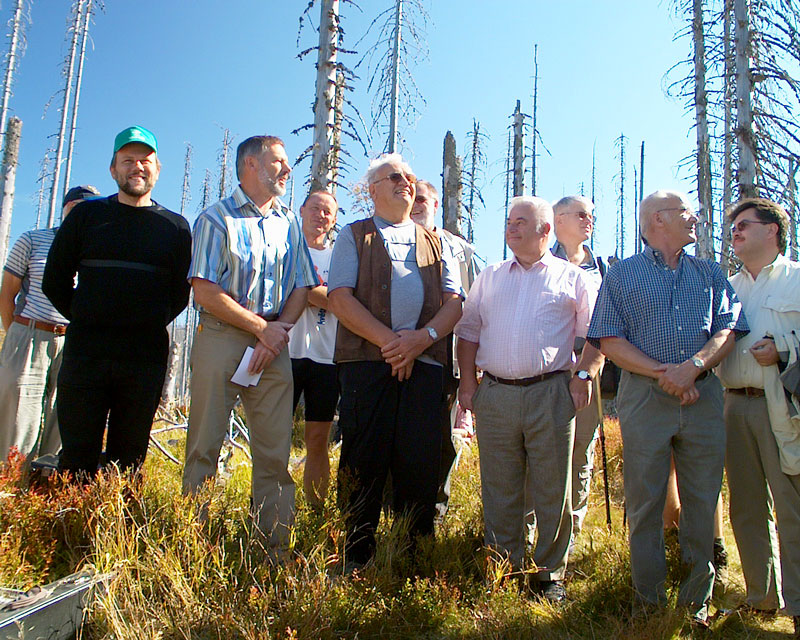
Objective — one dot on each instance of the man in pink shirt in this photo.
(519, 325)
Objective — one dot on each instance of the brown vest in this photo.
(374, 289)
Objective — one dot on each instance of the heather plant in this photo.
(177, 576)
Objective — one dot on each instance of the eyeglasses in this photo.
(397, 176)
(678, 209)
(583, 215)
(743, 224)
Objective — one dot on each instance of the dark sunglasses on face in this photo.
(743, 224)
(396, 177)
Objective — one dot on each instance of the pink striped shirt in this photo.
(525, 321)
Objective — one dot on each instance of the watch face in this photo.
(584, 375)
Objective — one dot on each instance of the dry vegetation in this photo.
(177, 578)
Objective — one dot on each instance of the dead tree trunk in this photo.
(224, 161)
(395, 103)
(42, 178)
(87, 15)
(640, 197)
(792, 191)
(322, 170)
(11, 63)
(54, 195)
(728, 99)
(744, 115)
(621, 199)
(338, 120)
(535, 130)
(7, 179)
(594, 177)
(451, 186)
(473, 170)
(519, 158)
(705, 243)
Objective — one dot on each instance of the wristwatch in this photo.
(697, 362)
(432, 333)
(583, 375)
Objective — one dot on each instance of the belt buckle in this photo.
(59, 329)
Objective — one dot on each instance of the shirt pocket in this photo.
(782, 304)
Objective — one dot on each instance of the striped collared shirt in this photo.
(258, 259)
(26, 260)
(525, 321)
(668, 314)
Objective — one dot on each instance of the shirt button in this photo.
(679, 328)
(676, 307)
(682, 352)
(383, 286)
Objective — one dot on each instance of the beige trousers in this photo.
(217, 350)
(29, 364)
(759, 491)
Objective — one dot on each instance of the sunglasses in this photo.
(397, 176)
(743, 224)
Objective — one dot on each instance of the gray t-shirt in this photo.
(407, 293)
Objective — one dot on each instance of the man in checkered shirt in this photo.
(667, 318)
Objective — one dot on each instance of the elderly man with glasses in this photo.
(666, 318)
(396, 294)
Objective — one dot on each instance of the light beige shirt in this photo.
(771, 304)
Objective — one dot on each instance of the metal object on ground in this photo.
(52, 612)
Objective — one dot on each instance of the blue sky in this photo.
(187, 70)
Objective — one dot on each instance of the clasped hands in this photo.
(271, 341)
(678, 380)
(401, 352)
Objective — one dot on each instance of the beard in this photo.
(139, 189)
(270, 183)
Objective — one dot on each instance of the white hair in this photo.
(381, 161)
(568, 200)
(650, 205)
(540, 206)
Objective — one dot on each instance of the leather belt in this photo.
(57, 329)
(750, 392)
(272, 317)
(523, 382)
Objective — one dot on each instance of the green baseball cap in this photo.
(135, 134)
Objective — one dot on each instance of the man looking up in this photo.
(250, 272)
(574, 223)
(311, 343)
(666, 318)
(763, 456)
(519, 326)
(396, 296)
(31, 354)
(426, 205)
(131, 256)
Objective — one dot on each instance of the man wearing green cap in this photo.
(131, 256)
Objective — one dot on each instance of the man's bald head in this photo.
(657, 201)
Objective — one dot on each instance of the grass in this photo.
(178, 578)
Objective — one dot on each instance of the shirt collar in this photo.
(546, 260)
(779, 260)
(657, 257)
(559, 251)
(241, 200)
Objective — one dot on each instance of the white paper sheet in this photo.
(242, 377)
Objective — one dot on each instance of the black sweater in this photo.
(132, 264)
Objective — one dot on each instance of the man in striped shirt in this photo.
(31, 354)
(519, 326)
(251, 271)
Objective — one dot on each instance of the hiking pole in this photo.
(599, 400)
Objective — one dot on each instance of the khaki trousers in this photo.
(525, 437)
(757, 485)
(587, 422)
(29, 364)
(217, 350)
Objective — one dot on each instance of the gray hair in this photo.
(254, 146)
(381, 161)
(568, 200)
(431, 189)
(542, 208)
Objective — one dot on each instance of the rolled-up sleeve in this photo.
(469, 327)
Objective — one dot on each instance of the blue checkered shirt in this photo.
(667, 314)
(257, 259)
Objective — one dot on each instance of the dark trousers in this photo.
(388, 426)
(448, 451)
(92, 393)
